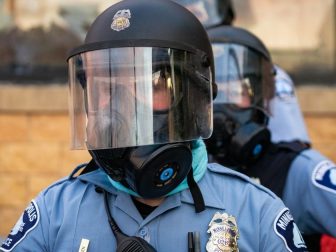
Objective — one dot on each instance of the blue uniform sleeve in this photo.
(310, 193)
(278, 230)
(29, 234)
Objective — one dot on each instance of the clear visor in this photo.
(126, 97)
(244, 77)
(205, 10)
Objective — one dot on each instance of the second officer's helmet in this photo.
(245, 79)
(143, 76)
(242, 58)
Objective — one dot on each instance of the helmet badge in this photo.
(121, 20)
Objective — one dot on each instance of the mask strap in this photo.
(91, 166)
(88, 167)
(195, 192)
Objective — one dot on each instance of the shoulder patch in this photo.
(24, 225)
(324, 176)
(287, 230)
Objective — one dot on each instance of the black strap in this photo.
(195, 192)
(91, 166)
(273, 167)
(296, 146)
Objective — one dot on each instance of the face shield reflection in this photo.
(138, 96)
(243, 76)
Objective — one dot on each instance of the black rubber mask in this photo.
(151, 171)
(240, 135)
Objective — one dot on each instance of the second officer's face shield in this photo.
(244, 77)
(126, 97)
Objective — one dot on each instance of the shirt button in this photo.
(143, 232)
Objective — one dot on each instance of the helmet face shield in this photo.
(244, 77)
(134, 96)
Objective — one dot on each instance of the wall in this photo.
(34, 146)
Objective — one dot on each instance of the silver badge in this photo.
(121, 20)
(224, 234)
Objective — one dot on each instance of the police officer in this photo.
(141, 89)
(242, 140)
(292, 150)
(287, 127)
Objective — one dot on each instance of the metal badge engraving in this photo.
(224, 234)
(121, 20)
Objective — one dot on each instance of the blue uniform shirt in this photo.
(310, 193)
(70, 213)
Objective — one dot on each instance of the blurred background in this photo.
(35, 36)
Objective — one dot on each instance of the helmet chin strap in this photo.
(195, 192)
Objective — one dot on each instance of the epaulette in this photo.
(219, 169)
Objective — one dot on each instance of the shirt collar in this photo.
(211, 197)
(98, 178)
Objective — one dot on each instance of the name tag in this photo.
(84, 245)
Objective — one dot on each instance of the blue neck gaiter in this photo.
(199, 166)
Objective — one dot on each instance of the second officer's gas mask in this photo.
(245, 79)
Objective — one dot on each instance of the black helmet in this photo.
(248, 59)
(211, 13)
(245, 79)
(147, 23)
(135, 42)
(239, 36)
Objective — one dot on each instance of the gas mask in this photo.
(151, 171)
(240, 135)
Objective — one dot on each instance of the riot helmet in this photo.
(286, 122)
(141, 89)
(211, 13)
(245, 79)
